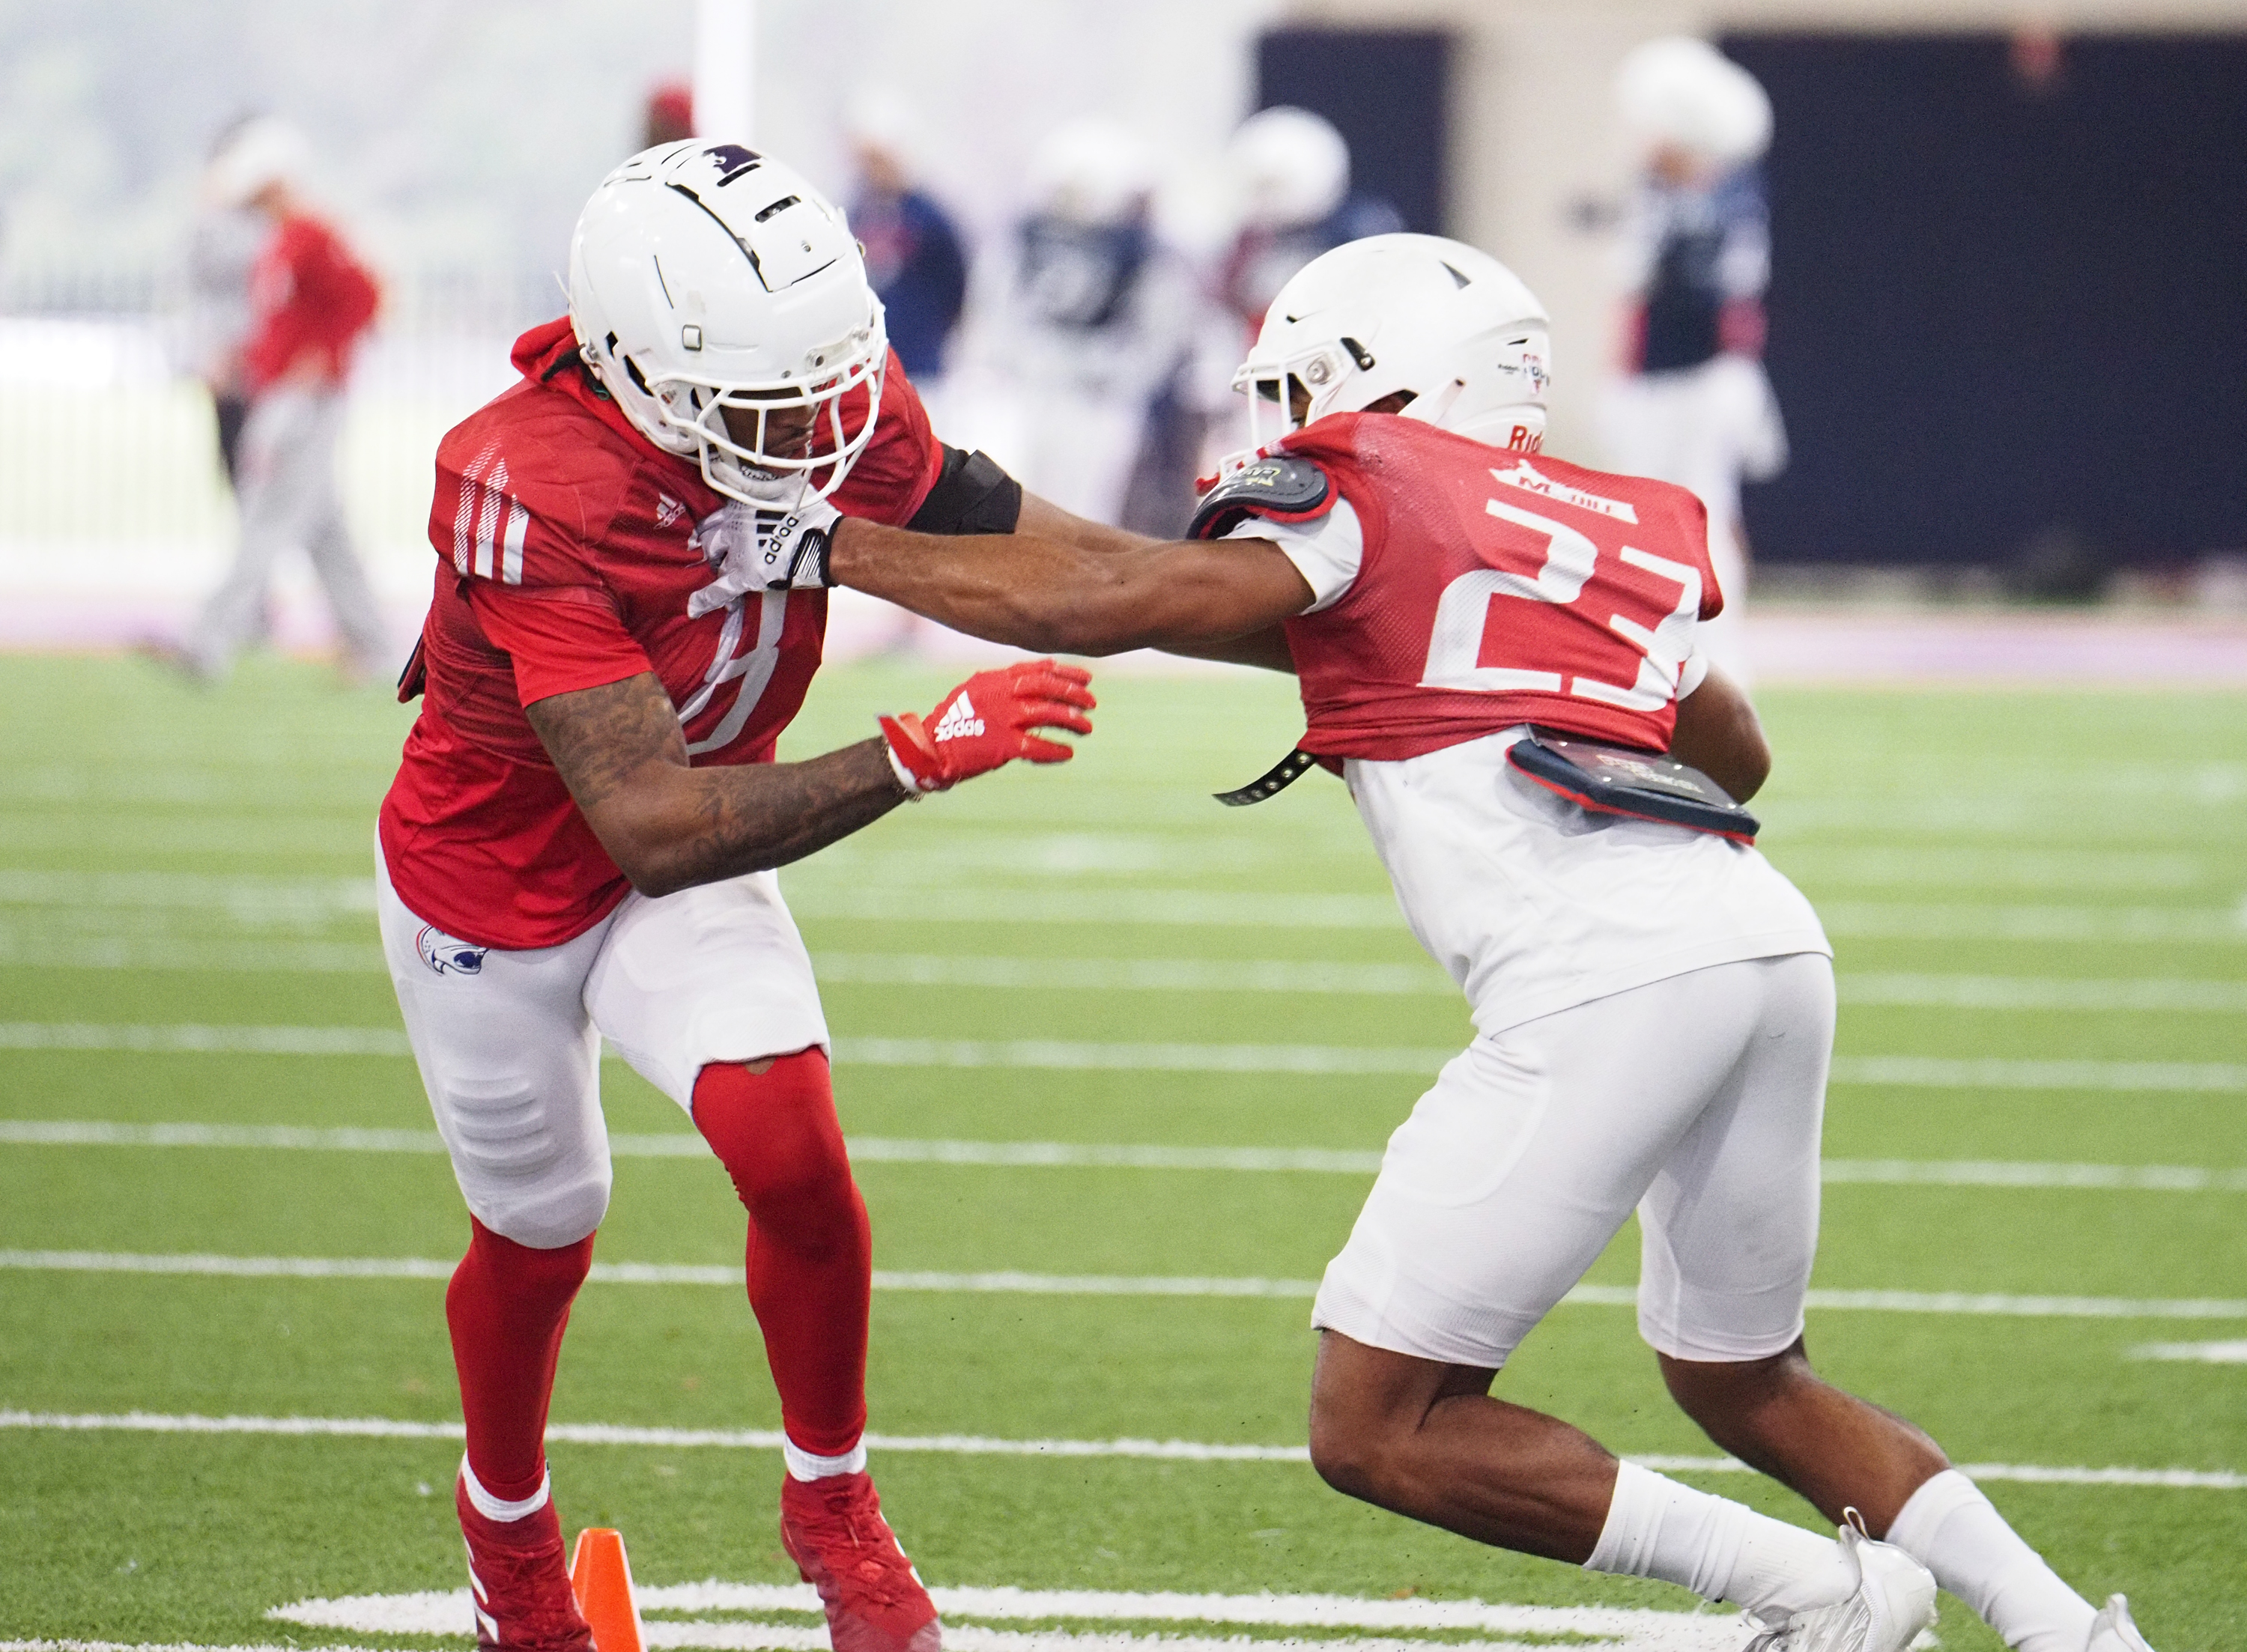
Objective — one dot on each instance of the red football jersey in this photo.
(567, 548)
(1496, 588)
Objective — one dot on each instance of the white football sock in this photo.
(1719, 1549)
(500, 1508)
(803, 1465)
(1953, 1531)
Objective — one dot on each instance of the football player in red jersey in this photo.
(580, 838)
(1653, 1002)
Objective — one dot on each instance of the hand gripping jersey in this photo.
(567, 547)
(1495, 589)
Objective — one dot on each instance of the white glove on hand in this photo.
(778, 545)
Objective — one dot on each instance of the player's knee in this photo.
(777, 1133)
(1351, 1443)
(526, 1172)
(544, 1216)
(1714, 1392)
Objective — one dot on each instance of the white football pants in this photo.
(509, 1042)
(1697, 1100)
(285, 487)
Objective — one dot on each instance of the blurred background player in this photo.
(1090, 315)
(310, 301)
(914, 256)
(222, 247)
(1290, 170)
(1693, 405)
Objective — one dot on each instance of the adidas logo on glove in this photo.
(959, 721)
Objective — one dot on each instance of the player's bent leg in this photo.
(809, 1254)
(1426, 1440)
(1780, 1417)
(1730, 1232)
(510, 1064)
(810, 1260)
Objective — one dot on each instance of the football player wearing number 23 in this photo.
(581, 837)
(1654, 1004)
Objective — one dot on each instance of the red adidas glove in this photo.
(986, 723)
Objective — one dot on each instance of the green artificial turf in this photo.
(173, 857)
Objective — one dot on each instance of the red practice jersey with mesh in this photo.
(1496, 588)
(567, 548)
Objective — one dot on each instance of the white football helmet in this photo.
(1403, 312)
(1290, 166)
(1684, 93)
(704, 275)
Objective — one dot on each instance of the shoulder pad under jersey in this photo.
(1283, 487)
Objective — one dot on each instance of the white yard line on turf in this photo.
(1057, 1054)
(2195, 1353)
(2001, 993)
(972, 1445)
(440, 1612)
(257, 900)
(1010, 1282)
(877, 1150)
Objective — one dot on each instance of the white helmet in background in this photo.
(1403, 312)
(262, 150)
(1290, 166)
(1094, 172)
(704, 275)
(1684, 93)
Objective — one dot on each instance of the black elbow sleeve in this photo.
(972, 496)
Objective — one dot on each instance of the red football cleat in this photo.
(834, 1530)
(521, 1582)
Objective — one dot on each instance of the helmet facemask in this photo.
(1321, 371)
(690, 411)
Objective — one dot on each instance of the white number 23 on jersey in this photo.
(1648, 649)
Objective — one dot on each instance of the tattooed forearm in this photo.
(668, 826)
(761, 815)
(599, 738)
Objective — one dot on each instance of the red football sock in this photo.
(507, 1306)
(810, 1253)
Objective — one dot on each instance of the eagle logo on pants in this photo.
(445, 955)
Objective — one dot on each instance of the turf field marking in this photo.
(2032, 992)
(1160, 975)
(1011, 1282)
(1054, 1054)
(250, 899)
(435, 1612)
(977, 1445)
(879, 1150)
(2200, 1353)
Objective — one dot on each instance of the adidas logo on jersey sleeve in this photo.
(1529, 478)
(959, 721)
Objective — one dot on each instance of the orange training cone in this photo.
(600, 1577)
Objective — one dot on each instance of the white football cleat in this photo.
(2112, 1631)
(1893, 1601)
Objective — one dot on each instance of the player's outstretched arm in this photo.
(1718, 733)
(1044, 520)
(669, 826)
(1023, 587)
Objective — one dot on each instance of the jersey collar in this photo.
(547, 355)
